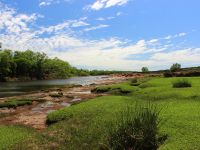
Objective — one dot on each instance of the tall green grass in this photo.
(137, 128)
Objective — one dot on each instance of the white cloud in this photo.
(110, 53)
(15, 23)
(175, 36)
(99, 4)
(79, 24)
(153, 41)
(46, 2)
(43, 3)
(183, 56)
(96, 27)
(181, 34)
(111, 3)
(105, 18)
(168, 37)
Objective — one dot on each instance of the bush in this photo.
(138, 82)
(111, 90)
(59, 94)
(181, 83)
(134, 80)
(102, 89)
(136, 130)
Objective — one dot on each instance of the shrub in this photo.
(59, 94)
(120, 91)
(102, 89)
(111, 90)
(136, 130)
(139, 81)
(181, 83)
(134, 80)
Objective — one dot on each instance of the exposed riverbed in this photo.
(20, 88)
(35, 115)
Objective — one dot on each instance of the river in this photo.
(18, 88)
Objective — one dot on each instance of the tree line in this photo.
(34, 65)
(29, 65)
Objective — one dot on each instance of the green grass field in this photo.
(85, 125)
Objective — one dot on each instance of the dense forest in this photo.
(29, 65)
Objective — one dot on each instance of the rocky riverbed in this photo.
(44, 102)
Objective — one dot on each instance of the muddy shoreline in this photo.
(35, 115)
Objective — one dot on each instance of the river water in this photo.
(17, 88)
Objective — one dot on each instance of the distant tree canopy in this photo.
(145, 69)
(34, 65)
(175, 67)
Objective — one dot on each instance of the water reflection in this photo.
(16, 88)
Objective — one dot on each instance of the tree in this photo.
(175, 67)
(145, 69)
(6, 62)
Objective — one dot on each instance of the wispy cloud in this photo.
(96, 27)
(175, 36)
(105, 18)
(99, 4)
(110, 17)
(43, 3)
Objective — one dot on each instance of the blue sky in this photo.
(105, 34)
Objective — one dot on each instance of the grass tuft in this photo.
(59, 94)
(137, 129)
(114, 89)
(181, 83)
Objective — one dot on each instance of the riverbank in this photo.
(49, 100)
(86, 125)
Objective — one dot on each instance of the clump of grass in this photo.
(145, 85)
(111, 90)
(134, 80)
(137, 129)
(56, 95)
(102, 89)
(137, 82)
(58, 115)
(15, 103)
(182, 83)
